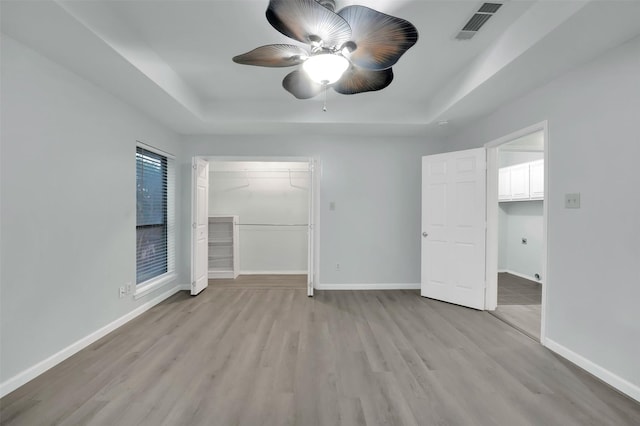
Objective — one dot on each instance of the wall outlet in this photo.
(121, 292)
(337, 266)
(128, 288)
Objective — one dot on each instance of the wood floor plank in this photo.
(525, 318)
(272, 356)
(514, 290)
(261, 281)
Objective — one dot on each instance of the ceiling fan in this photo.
(351, 50)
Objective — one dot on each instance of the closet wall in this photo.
(267, 197)
(518, 220)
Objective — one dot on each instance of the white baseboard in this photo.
(376, 286)
(32, 372)
(603, 374)
(518, 274)
(273, 272)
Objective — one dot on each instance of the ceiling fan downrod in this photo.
(329, 4)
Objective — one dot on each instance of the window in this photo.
(154, 216)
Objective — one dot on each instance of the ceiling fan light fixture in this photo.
(352, 50)
(325, 68)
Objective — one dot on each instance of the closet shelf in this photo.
(223, 247)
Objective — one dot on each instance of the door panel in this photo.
(437, 212)
(200, 231)
(453, 225)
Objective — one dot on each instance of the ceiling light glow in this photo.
(325, 68)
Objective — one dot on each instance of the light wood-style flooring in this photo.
(514, 290)
(261, 281)
(270, 356)
(519, 304)
(525, 318)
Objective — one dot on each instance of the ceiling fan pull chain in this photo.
(324, 107)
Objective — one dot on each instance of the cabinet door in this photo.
(504, 184)
(520, 182)
(536, 180)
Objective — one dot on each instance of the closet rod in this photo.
(261, 171)
(272, 224)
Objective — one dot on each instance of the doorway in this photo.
(262, 222)
(516, 229)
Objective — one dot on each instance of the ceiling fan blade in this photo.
(380, 39)
(299, 85)
(358, 80)
(273, 55)
(307, 21)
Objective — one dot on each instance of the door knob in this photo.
(424, 234)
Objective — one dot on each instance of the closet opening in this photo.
(516, 268)
(261, 223)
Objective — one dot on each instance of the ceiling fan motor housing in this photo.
(329, 4)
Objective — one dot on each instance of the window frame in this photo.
(145, 287)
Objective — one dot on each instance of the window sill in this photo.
(154, 284)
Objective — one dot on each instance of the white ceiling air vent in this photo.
(478, 19)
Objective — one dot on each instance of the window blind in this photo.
(154, 215)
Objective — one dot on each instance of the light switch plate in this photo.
(572, 201)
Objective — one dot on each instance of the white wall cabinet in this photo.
(521, 182)
(536, 180)
(504, 184)
(224, 261)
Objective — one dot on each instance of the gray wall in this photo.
(593, 278)
(510, 158)
(68, 206)
(374, 231)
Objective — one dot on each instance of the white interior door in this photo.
(454, 227)
(200, 226)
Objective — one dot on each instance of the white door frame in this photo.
(491, 297)
(195, 225)
(315, 174)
